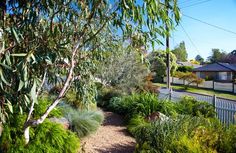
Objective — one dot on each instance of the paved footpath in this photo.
(111, 137)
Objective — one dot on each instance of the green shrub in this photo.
(73, 99)
(228, 140)
(184, 134)
(119, 105)
(136, 124)
(54, 138)
(142, 104)
(47, 137)
(190, 106)
(195, 129)
(185, 69)
(186, 145)
(11, 139)
(43, 103)
(157, 137)
(105, 94)
(168, 108)
(83, 122)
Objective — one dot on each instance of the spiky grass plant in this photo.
(83, 122)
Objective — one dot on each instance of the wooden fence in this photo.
(219, 86)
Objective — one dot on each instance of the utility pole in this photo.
(167, 48)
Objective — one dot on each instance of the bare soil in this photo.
(111, 137)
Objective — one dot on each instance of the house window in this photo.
(222, 75)
(198, 74)
(230, 76)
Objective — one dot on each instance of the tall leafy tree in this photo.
(199, 58)
(157, 61)
(181, 52)
(217, 56)
(57, 38)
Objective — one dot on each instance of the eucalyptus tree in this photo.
(50, 38)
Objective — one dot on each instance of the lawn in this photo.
(221, 94)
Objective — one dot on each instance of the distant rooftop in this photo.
(188, 64)
(216, 67)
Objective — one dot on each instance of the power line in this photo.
(190, 39)
(209, 24)
(194, 4)
(188, 2)
(185, 1)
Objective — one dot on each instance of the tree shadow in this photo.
(125, 132)
(113, 119)
(118, 148)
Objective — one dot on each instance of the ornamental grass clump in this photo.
(83, 122)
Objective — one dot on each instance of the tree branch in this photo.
(37, 93)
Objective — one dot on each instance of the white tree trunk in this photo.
(26, 135)
(69, 78)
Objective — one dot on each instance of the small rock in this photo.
(156, 116)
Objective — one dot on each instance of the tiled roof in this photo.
(230, 66)
(216, 67)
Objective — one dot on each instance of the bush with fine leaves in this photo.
(47, 137)
(228, 143)
(42, 105)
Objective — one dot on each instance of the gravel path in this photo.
(111, 137)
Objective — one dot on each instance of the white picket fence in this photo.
(225, 109)
(220, 86)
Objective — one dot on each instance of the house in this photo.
(222, 72)
(188, 64)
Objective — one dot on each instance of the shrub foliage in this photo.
(191, 126)
(47, 137)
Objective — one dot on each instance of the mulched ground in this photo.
(111, 137)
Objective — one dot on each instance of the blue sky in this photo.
(217, 12)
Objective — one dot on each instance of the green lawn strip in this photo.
(220, 94)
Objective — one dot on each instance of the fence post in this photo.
(233, 86)
(170, 94)
(214, 103)
(213, 85)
